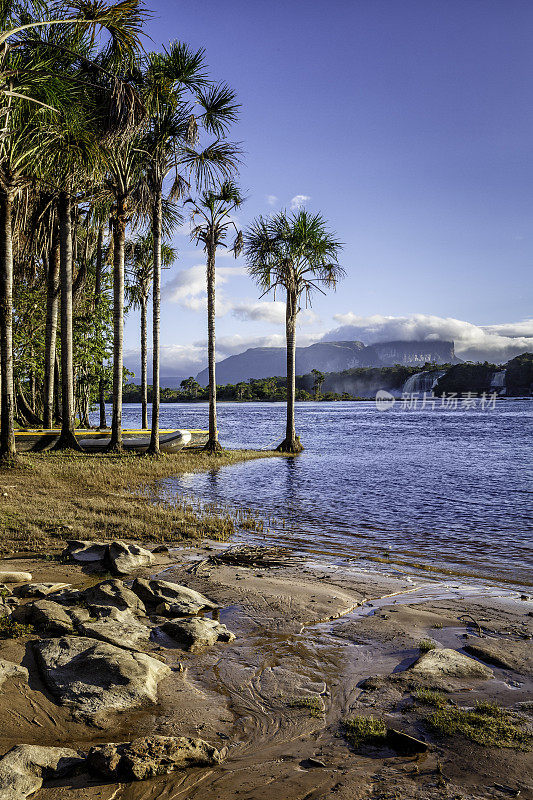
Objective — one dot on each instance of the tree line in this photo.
(105, 148)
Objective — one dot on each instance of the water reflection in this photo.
(430, 488)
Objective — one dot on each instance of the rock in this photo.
(24, 767)
(15, 577)
(39, 589)
(10, 670)
(182, 600)
(117, 627)
(405, 743)
(512, 655)
(49, 616)
(193, 634)
(85, 552)
(113, 593)
(95, 676)
(161, 548)
(126, 558)
(447, 663)
(150, 756)
(312, 763)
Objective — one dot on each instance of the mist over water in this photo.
(445, 490)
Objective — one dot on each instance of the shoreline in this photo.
(274, 699)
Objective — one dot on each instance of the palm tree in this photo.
(140, 265)
(181, 99)
(212, 219)
(297, 253)
(30, 84)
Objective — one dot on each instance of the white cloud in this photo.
(273, 311)
(271, 199)
(298, 201)
(190, 283)
(472, 342)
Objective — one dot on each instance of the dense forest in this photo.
(457, 378)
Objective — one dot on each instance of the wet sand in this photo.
(302, 631)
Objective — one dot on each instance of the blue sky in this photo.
(409, 125)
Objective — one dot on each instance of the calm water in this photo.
(448, 490)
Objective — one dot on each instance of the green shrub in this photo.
(310, 703)
(364, 730)
(487, 724)
(425, 645)
(13, 630)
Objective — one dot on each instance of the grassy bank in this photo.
(51, 497)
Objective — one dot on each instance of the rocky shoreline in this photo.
(219, 672)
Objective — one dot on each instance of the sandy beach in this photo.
(274, 699)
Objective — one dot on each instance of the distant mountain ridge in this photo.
(267, 362)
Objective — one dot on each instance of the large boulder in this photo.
(94, 676)
(194, 634)
(448, 663)
(24, 767)
(85, 552)
(45, 615)
(117, 627)
(10, 670)
(150, 756)
(126, 558)
(181, 600)
(113, 593)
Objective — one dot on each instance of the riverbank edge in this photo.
(49, 497)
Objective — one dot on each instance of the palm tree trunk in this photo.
(156, 322)
(291, 444)
(67, 439)
(50, 336)
(144, 366)
(98, 297)
(7, 430)
(119, 236)
(213, 445)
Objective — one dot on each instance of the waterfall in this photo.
(422, 382)
(497, 383)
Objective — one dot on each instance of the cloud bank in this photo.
(472, 342)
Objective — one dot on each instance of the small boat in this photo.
(170, 441)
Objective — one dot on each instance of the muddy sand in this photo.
(273, 701)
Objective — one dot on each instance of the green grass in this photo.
(487, 724)
(13, 630)
(430, 697)
(107, 496)
(425, 645)
(310, 703)
(364, 730)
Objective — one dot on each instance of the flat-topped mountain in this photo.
(266, 362)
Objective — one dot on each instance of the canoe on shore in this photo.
(170, 441)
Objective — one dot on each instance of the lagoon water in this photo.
(426, 491)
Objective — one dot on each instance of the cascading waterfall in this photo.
(497, 383)
(422, 382)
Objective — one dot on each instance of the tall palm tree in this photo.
(298, 254)
(30, 84)
(212, 220)
(140, 266)
(181, 100)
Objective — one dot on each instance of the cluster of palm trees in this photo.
(102, 147)
(99, 140)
